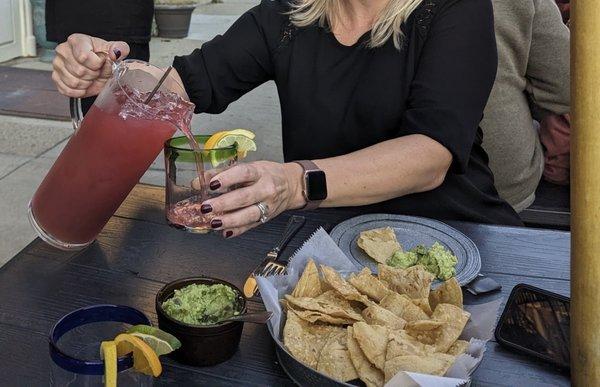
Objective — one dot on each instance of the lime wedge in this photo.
(242, 132)
(244, 144)
(243, 138)
(160, 341)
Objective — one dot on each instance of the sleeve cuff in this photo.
(191, 69)
(445, 128)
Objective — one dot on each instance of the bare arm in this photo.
(384, 171)
(389, 169)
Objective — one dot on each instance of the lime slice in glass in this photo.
(160, 341)
(244, 144)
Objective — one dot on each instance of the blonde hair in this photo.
(327, 12)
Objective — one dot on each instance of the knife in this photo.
(294, 224)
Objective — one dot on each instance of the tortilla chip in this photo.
(349, 292)
(334, 360)
(323, 306)
(423, 303)
(415, 281)
(334, 297)
(379, 244)
(377, 315)
(402, 344)
(458, 348)
(449, 292)
(403, 307)
(425, 331)
(433, 364)
(455, 320)
(366, 371)
(309, 284)
(305, 340)
(369, 285)
(312, 316)
(372, 339)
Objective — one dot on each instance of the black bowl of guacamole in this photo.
(191, 309)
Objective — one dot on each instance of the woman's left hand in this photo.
(276, 185)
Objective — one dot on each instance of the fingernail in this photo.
(215, 184)
(205, 208)
(228, 234)
(117, 53)
(216, 223)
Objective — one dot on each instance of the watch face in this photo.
(316, 185)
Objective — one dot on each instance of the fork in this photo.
(271, 265)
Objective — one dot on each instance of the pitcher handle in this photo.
(76, 112)
(75, 103)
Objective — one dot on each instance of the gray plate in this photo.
(410, 231)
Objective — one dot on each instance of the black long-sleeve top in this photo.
(337, 99)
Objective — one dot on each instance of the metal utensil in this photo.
(158, 85)
(482, 284)
(271, 266)
(254, 318)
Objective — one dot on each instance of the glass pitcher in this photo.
(111, 148)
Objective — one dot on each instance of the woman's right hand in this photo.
(80, 68)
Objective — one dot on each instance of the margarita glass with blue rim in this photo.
(75, 346)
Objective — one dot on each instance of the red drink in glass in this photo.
(115, 144)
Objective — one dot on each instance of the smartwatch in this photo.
(314, 184)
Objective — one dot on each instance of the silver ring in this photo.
(264, 209)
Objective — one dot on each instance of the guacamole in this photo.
(437, 260)
(201, 304)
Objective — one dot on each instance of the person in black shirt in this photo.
(129, 21)
(385, 97)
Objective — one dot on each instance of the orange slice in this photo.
(145, 360)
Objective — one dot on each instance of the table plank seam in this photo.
(525, 275)
(199, 370)
(246, 236)
(141, 220)
(107, 270)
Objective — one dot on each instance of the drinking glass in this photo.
(110, 150)
(75, 346)
(185, 191)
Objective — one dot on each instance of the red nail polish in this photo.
(206, 208)
(228, 234)
(216, 223)
(117, 53)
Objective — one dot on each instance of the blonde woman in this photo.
(381, 102)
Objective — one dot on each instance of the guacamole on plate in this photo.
(201, 304)
(437, 260)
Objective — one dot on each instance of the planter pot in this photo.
(46, 52)
(173, 21)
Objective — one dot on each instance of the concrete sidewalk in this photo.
(28, 147)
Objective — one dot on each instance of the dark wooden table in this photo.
(138, 252)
